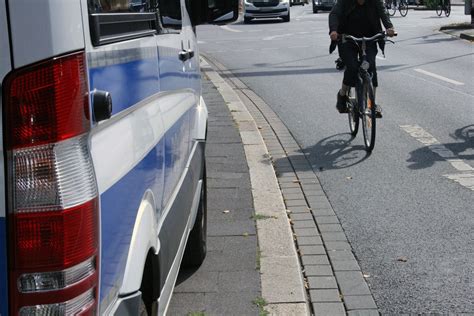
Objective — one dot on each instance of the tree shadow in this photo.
(462, 148)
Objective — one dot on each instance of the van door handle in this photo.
(186, 54)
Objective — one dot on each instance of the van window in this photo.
(121, 6)
(118, 20)
(170, 13)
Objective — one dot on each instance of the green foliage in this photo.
(431, 4)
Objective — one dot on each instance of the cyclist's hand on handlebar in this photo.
(334, 36)
(391, 32)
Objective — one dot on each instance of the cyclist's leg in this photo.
(349, 54)
(371, 58)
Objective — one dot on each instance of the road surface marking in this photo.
(380, 57)
(438, 77)
(466, 178)
(201, 42)
(436, 84)
(227, 28)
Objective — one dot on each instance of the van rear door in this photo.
(5, 67)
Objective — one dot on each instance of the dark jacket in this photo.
(342, 9)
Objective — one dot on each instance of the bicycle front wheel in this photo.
(403, 8)
(353, 115)
(368, 116)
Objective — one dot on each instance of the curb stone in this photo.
(334, 267)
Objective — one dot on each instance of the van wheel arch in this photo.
(151, 284)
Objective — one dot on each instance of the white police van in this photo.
(102, 176)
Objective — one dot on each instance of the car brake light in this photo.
(52, 191)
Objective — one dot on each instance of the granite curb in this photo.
(334, 281)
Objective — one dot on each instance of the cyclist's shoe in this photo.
(339, 64)
(341, 104)
(378, 111)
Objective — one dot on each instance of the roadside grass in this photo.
(261, 217)
(261, 303)
(259, 258)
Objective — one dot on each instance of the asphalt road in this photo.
(407, 208)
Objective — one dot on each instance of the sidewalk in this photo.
(228, 281)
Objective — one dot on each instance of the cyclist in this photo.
(359, 18)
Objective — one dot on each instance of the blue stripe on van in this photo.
(127, 83)
(3, 268)
(119, 204)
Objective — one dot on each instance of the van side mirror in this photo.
(213, 11)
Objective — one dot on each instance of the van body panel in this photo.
(55, 28)
(5, 67)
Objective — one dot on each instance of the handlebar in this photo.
(381, 35)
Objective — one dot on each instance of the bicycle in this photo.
(363, 105)
(443, 5)
(392, 6)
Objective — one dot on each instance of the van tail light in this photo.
(53, 216)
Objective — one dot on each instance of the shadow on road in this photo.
(463, 149)
(307, 71)
(333, 152)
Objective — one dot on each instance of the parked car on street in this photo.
(322, 5)
(264, 9)
(102, 176)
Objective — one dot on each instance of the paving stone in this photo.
(322, 282)
(304, 224)
(301, 216)
(352, 283)
(237, 281)
(330, 227)
(293, 196)
(334, 236)
(323, 203)
(291, 203)
(301, 232)
(364, 312)
(359, 302)
(326, 220)
(230, 303)
(299, 209)
(338, 245)
(302, 241)
(312, 250)
(291, 190)
(330, 295)
(289, 185)
(351, 265)
(318, 270)
(287, 179)
(322, 212)
(326, 309)
(341, 255)
(314, 259)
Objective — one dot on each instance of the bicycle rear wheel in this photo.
(390, 7)
(403, 8)
(439, 10)
(368, 116)
(353, 115)
(447, 9)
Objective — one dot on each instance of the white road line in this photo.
(380, 57)
(464, 179)
(438, 77)
(435, 83)
(201, 42)
(227, 28)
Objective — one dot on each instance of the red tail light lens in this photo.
(53, 201)
(47, 103)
